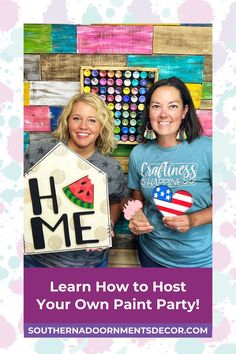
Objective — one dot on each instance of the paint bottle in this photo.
(125, 106)
(132, 130)
(117, 130)
(127, 74)
(133, 107)
(103, 90)
(127, 82)
(133, 122)
(103, 81)
(125, 114)
(142, 90)
(133, 114)
(94, 81)
(151, 75)
(134, 90)
(143, 82)
(143, 75)
(110, 73)
(135, 74)
(87, 81)
(124, 137)
(117, 137)
(118, 106)
(134, 98)
(125, 122)
(86, 89)
(103, 73)
(110, 82)
(126, 90)
(131, 138)
(119, 82)
(118, 98)
(139, 138)
(118, 74)
(103, 97)
(141, 107)
(118, 90)
(110, 106)
(94, 89)
(111, 90)
(135, 82)
(126, 98)
(110, 98)
(94, 73)
(87, 72)
(142, 99)
(124, 130)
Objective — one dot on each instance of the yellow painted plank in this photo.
(26, 93)
(195, 91)
(182, 40)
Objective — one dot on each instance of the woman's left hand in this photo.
(181, 223)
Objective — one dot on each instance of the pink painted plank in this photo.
(37, 119)
(132, 39)
(205, 117)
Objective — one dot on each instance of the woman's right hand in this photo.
(139, 227)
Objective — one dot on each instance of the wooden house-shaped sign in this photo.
(65, 204)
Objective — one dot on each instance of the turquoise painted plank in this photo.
(188, 68)
(64, 38)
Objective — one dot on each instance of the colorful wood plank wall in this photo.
(55, 53)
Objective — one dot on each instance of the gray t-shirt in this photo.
(117, 190)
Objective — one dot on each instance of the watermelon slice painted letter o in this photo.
(81, 192)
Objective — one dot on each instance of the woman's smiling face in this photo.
(84, 127)
(166, 113)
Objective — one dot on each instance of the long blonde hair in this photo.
(105, 142)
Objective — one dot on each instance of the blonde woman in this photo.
(85, 126)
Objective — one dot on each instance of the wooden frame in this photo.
(129, 112)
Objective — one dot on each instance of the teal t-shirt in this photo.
(182, 167)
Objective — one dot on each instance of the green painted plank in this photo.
(37, 38)
(206, 91)
(188, 68)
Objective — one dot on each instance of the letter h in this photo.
(35, 197)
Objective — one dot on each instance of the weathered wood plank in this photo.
(67, 66)
(32, 67)
(187, 68)
(36, 118)
(208, 68)
(205, 117)
(127, 241)
(37, 38)
(195, 91)
(133, 39)
(206, 104)
(52, 93)
(64, 38)
(206, 91)
(123, 257)
(26, 93)
(182, 40)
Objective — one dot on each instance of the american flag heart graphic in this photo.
(170, 204)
